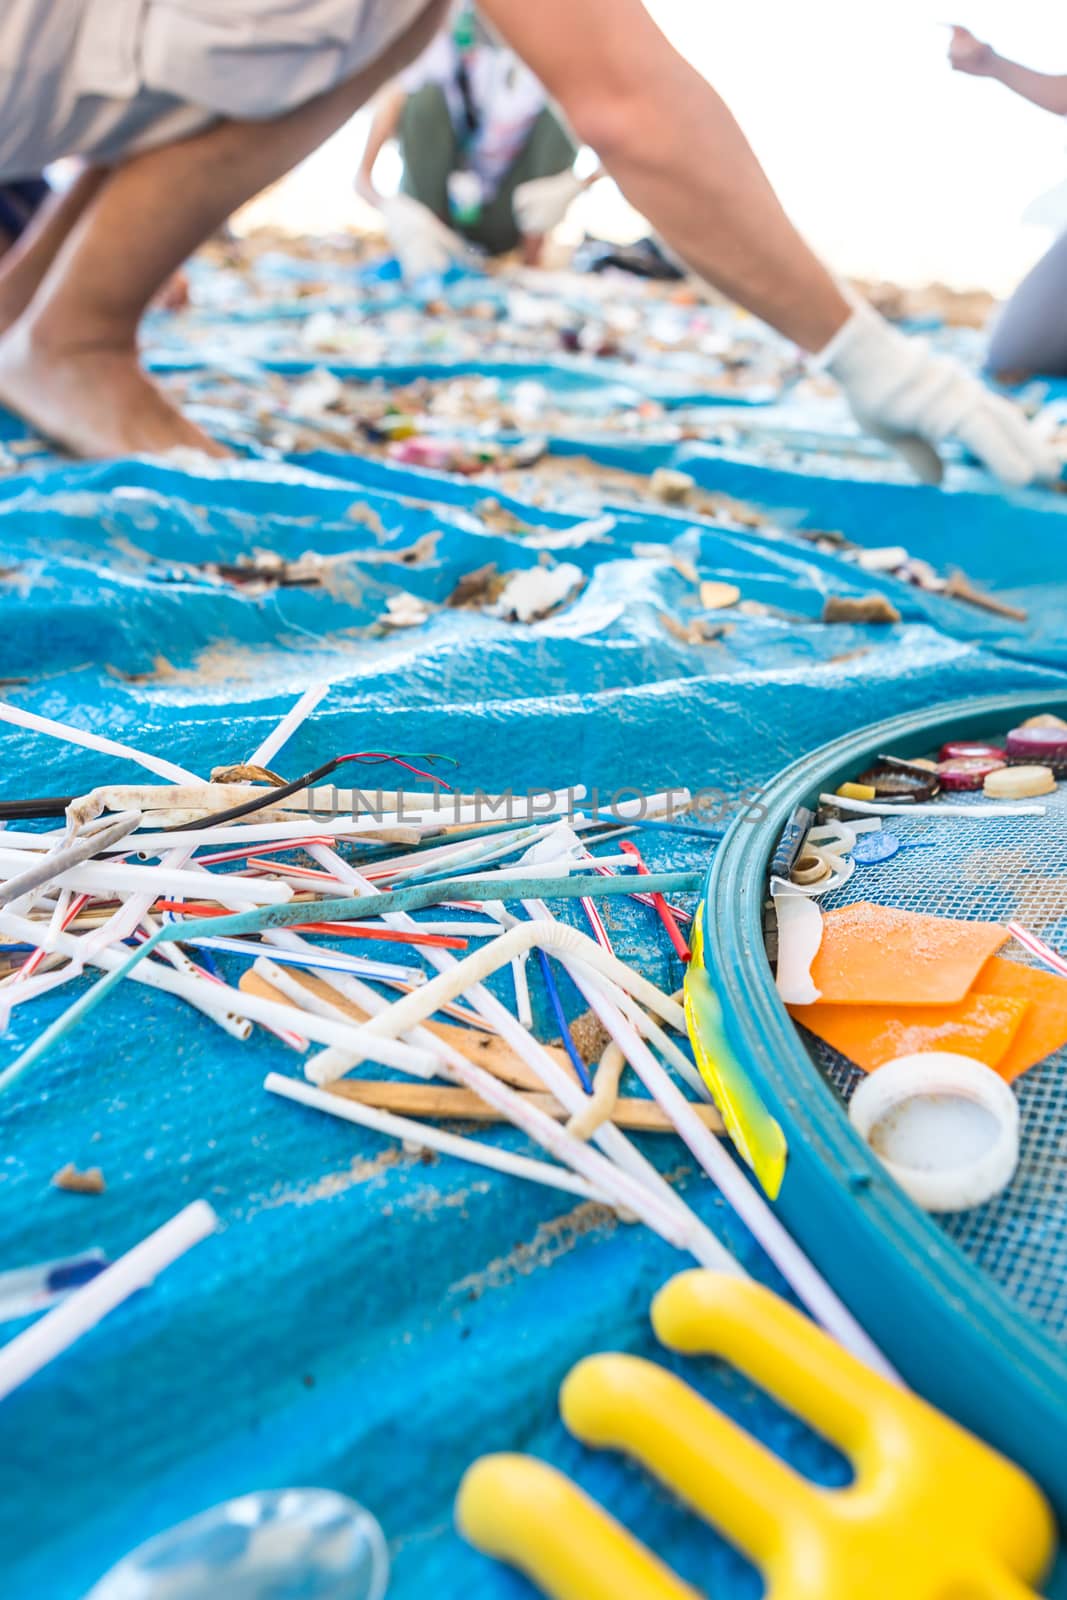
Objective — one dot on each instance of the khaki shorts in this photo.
(106, 78)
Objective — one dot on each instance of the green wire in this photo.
(415, 898)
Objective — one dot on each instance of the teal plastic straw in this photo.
(415, 898)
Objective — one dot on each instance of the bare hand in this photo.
(968, 54)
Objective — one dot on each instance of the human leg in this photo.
(69, 362)
(549, 149)
(37, 244)
(428, 147)
(1030, 335)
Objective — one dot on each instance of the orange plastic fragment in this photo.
(879, 955)
(982, 1026)
(1043, 1030)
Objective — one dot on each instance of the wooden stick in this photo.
(461, 1105)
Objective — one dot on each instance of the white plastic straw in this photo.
(120, 877)
(93, 741)
(48, 866)
(31, 1350)
(749, 1205)
(559, 1083)
(429, 1137)
(673, 1221)
(279, 737)
(320, 960)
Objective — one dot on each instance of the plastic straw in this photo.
(53, 862)
(428, 1137)
(93, 741)
(28, 1352)
(611, 1140)
(279, 737)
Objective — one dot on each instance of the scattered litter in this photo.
(535, 593)
(405, 611)
(959, 587)
(482, 587)
(91, 1181)
(716, 596)
(871, 608)
(673, 488)
(1019, 783)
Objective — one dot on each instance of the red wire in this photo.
(382, 755)
(663, 910)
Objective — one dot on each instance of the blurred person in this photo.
(1030, 334)
(486, 160)
(184, 109)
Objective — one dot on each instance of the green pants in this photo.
(431, 151)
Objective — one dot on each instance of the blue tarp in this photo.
(366, 1321)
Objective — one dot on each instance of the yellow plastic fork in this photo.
(931, 1514)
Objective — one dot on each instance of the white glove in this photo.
(912, 399)
(422, 243)
(540, 204)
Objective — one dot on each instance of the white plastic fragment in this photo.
(534, 592)
(799, 937)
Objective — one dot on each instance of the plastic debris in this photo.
(535, 593)
(871, 608)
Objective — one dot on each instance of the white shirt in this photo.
(106, 78)
(507, 97)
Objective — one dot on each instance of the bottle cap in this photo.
(944, 1126)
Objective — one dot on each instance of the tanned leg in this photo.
(69, 364)
(29, 257)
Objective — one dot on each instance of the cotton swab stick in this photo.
(321, 960)
(936, 808)
(31, 1350)
(428, 1137)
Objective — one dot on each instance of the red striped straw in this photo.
(1037, 947)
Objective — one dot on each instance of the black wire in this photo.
(261, 801)
(25, 810)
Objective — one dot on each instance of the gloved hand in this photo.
(540, 204)
(913, 399)
(422, 243)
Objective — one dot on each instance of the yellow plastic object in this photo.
(756, 1134)
(526, 1513)
(856, 791)
(932, 1513)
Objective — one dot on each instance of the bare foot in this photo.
(94, 402)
